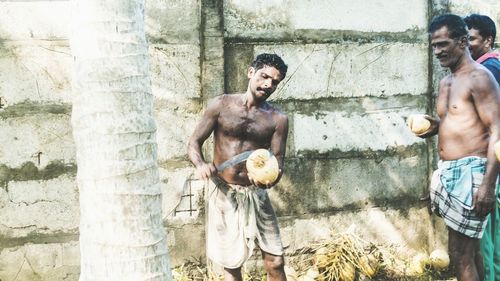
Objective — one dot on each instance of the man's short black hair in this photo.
(484, 24)
(273, 60)
(455, 24)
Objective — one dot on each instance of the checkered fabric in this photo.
(452, 188)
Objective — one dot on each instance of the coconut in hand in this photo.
(418, 124)
(262, 166)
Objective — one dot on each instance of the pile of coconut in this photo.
(347, 257)
(342, 257)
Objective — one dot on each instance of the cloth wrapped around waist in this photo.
(458, 178)
(239, 218)
(452, 191)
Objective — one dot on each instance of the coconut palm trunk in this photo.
(121, 230)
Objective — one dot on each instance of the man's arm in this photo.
(278, 147)
(278, 143)
(493, 68)
(435, 121)
(486, 97)
(202, 131)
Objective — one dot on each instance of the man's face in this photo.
(478, 45)
(447, 50)
(263, 82)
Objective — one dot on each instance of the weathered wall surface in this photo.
(38, 194)
(39, 213)
(357, 70)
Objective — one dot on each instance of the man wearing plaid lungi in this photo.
(482, 33)
(468, 106)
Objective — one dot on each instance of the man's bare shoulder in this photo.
(445, 80)
(482, 73)
(226, 99)
(482, 80)
(277, 112)
(220, 101)
(216, 100)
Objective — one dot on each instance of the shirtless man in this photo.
(482, 32)
(468, 106)
(240, 214)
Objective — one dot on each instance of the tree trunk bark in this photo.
(121, 228)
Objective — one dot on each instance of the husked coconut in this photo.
(497, 150)
(418, 124)
(439, 259)
(262, 166)
(369, 265)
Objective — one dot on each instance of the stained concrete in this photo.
(357, 70)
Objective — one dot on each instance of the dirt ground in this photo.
(342, 257)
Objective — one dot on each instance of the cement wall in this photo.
(357, 70)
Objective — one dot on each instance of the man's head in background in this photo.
(482, 33)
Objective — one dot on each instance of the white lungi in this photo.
(239, 217)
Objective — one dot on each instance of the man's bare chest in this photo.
(454, 98)
(246, 124)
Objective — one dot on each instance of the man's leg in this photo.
(480, 264)
(232, 274)
(275, 267)
(466, 256)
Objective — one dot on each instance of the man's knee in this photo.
(274, 262)
(457, 252)
(233, 271)
(463, 248)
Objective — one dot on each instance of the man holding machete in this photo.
(239, 212)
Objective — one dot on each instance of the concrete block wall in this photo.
(357, 70)
(38, 194)
(39, 213)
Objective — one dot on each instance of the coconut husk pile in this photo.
(347, 257)
(341, 257)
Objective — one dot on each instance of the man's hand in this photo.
(484, 200)
(433, 129)
(205, 171)
(264, 185)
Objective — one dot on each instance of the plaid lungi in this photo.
(453, 185)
